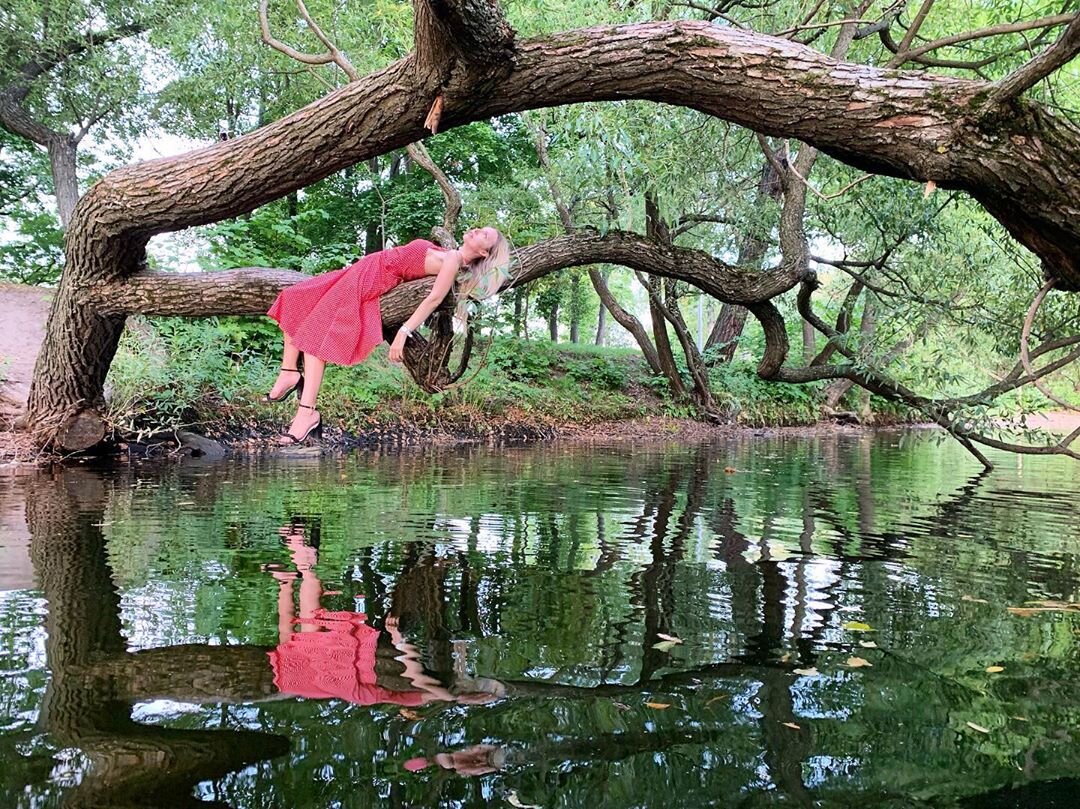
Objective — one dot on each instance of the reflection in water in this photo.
(547, 626)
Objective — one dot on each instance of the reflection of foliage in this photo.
(549, 569)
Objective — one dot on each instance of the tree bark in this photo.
(601, 326)
(553, 323)
(909, 125)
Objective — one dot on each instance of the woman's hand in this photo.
(397, 348)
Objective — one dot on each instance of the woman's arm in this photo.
(443, 282)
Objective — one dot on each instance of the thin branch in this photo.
(1025, 336)
(339, 58)
(1026, 77)
(982, 33)
(916, 24)
(278, 45)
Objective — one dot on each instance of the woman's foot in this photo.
(307, 420)
(287, 381)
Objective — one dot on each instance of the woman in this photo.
(335, 317)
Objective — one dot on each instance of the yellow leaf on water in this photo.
(412, 716)
(1023, 612)
(858, 662)
(994, 669)
(664, 645)
(658, 706)
(671, 638)
(515, 801)
(868, 644)
(791, 725)
(979, 728)
(810, 672)
(974, 600)
(857, 626)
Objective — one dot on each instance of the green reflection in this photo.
(509, 615)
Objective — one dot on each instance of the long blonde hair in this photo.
(482, 278)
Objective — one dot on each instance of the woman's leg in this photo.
(290, 355)
(313, 377)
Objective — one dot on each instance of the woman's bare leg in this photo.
(313, 377)
(290, 355)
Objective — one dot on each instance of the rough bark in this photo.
(909, 125)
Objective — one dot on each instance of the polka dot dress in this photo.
(335, 316)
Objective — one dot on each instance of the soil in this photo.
(25, 310)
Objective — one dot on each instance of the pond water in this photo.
(816, 621)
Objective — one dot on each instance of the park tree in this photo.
(71, 67)
(1015, 155)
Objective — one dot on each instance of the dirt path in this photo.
(25, 311)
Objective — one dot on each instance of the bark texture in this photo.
(1019, 160)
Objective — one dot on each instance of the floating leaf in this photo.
(658, 706)
(810, 672)
(857, 626)
(515, 801)
(665, 645)
(1021, 611)
(671, 638)
(622, 706)
(412, 716)
(979, 728)
(791, 725)
(730, 470)
(974, 600)
(994, 669)
(868, 644)
(858, 662)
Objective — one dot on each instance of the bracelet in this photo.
(405, 330)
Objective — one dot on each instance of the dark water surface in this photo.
(475, 627)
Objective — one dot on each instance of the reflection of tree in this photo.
(86, 704)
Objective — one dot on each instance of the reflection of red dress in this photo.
(335, 662)
(335, 316)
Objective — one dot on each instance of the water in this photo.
(551, 626)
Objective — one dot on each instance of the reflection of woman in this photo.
(336, 655)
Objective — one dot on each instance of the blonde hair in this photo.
(483, 278)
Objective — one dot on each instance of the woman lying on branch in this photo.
(335, 317)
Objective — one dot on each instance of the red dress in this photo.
(335, 316)
(335, 662)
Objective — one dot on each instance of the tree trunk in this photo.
(665, 355)
(601, 325)
(575, 308)
(626, 320)
(62, 149)
(724, 337)
(553, 323)
(809, 343)
(519, 310)
(1012, 160)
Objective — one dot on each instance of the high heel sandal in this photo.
(298, 387)
(315, 428)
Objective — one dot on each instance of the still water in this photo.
(829, 621)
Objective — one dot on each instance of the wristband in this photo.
(405, 330)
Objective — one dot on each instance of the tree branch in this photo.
(1026, 77)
